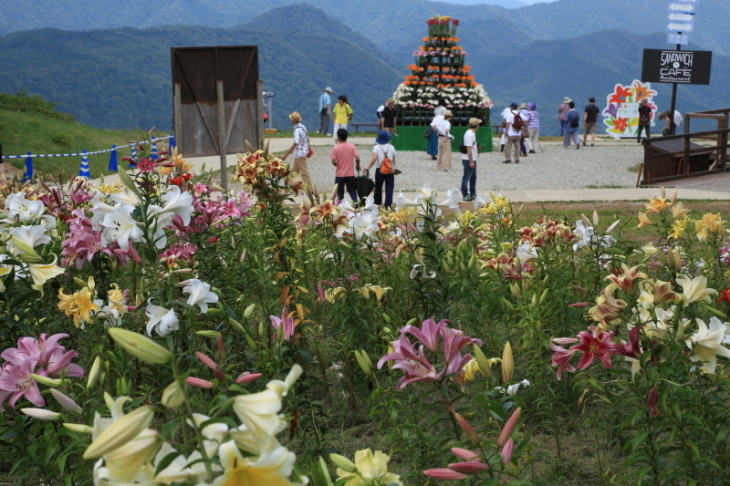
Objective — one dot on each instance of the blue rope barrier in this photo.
(29, 155)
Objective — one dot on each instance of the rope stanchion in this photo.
(113, 160)
(173, 143)
(133, 157)
(85, 171)
(28, 167)
(154, 149)
(134, 144)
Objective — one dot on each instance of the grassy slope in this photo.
(26, 131)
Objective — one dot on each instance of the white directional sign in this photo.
(681, 18)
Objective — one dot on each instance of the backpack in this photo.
(386, 167)
(518, 122)
(574, 122)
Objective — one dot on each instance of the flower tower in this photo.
(440, 74)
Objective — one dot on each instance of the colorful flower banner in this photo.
(621, 115)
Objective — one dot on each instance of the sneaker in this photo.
(517, 161)
(577, 147)
(467, 198)
(507, 162)
(329, 134)
(532, 151)
(584, 144)
(592, 145)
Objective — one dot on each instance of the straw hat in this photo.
(389, 100)
(567, 100)
(328, 89)
(295, 117)
(474, 122)
(448, 113)
(523, 106)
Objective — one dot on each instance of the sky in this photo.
(518, 3)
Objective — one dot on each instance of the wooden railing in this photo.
(662, 165)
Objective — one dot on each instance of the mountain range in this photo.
(117, 76)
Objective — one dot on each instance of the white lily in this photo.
(526, 252)
(176, 202)
(695, 289)
(16, 204)
(125, 196)
(41, 273)
(31, 236)
(706, 344)
(452, 200)
(164, 320)
(119, 226)
(271, 467)
(200, 294)
(365, 224)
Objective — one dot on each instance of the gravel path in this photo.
(556, 168)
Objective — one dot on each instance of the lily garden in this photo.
(160, 331)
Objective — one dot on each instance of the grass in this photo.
(21, 132)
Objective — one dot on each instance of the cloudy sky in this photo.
(517, 3)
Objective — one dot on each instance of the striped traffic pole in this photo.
(28, 168)
(85, 171)
(154, 149)
(133, 156)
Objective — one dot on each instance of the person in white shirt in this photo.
(469, 161)
(514, 135)
(678, 119)
(383, 149)
(300, 147)
(443, 161)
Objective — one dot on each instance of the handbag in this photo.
(427, 133)
(310, 153)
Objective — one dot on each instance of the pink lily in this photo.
(16, 382)
(285, 323)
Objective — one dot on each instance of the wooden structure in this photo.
(217, 100)
(677, 157)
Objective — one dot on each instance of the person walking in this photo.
(389, 120)
(300, 147)
(432, 132)
(325, 110)
(644, 119)
(524, 137)
(513, 127)
(343, 114)
(381, 150)
(590, 119)
(562, 110)
(469, 161)
(572, 123)
(345, 158)
(665, 115)
(533, 127)
(443, 129)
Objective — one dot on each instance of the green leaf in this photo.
(129, 183)
(166, 461)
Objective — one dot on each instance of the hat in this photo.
(328, 89)
(567, 100)
(389, 100)
(474, 122)
(342, 97)
(532, 106)
(513, 106)
(523, 106)
(448, 113)
(295, 117)
(383, 137)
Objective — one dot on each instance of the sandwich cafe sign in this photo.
(681, 67)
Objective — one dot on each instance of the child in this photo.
(345, 157)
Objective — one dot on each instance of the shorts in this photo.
(590, 128)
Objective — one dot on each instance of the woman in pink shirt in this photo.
(345, 158)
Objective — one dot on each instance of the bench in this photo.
(358, 125)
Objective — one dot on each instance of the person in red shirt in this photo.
(345, 158)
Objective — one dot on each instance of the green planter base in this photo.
(412, 139)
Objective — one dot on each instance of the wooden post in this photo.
(259, 119)
(222, 135)
(177, 108)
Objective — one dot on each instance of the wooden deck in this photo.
(715, 182)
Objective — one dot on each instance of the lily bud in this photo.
(544, 296)
(248, 377)
(444, 474)
(66, 402)
(468, 430)
(174, 395)
(585, 219)
(533, 301)
(206, 360)
(45, 380)
(675, 258)
(208, 334)
(80, 428)
(469, 467)
(509, 427)
(366, 364)
(508, 363)
(386, 318)
(140, 346)
(412, 321)
(482, 361)
(324, 473)
(343, 463)
(236, 325)
(507, 451)
(41, 414)
(120, 432)
(515, 289)
(94, 373)
(508, 304)
(198, 382)
(29, 257)
(249, 310)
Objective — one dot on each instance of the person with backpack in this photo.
(513, 126)
(644, 119)
(469, 153)
(572, 123)
(384, 161)
(300, 147)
